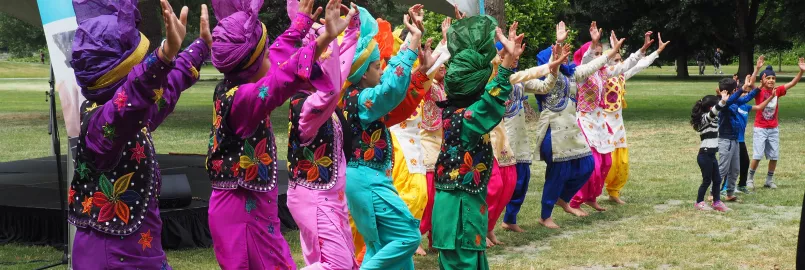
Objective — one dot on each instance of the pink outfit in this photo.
(426, 225)
(499, 191)
(593, 188)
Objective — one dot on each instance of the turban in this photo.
(239, 41)
(544, 57)
(366, 50)
(107, 45)
(769, 71)
(471, 46)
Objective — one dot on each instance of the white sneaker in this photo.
(750, 184)
(770, 185)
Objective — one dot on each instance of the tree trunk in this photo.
(497, 9)
(151, 23)
(682, 64)
(746, 58)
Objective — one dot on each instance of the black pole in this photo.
(54, 137)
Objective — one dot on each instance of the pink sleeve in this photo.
(348, 46)
(319, 106)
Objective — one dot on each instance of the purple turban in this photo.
(239, 41)
(106, 46)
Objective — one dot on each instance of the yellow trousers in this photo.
(619, 173)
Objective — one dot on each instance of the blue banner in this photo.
(54, 10)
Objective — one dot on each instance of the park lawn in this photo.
(658, 228)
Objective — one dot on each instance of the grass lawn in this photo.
(658, 228)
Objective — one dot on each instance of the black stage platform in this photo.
(29, 202)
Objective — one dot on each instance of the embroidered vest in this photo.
(233, 161)
(614, 97)
(114, 201)
(431, 113)
(515, 103)
(590, 92)
(558, 96)
(370, 147)
(457, 167)
(313, 165)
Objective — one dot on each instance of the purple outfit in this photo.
(316, 198)
(113, 196)
(241, 160)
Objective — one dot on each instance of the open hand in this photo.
(459, 15)
(333, 23)
(512, 45)
(801, 64)
(561, 32)
(595, 32)
(646, 41)
(175, 30)
(761, 61)
(427, 57)
(446, 23)
(662, 44)
(306, 7)
(724, 95)
(748, 83)
(204, 26)
(560, 55)
(616, 47)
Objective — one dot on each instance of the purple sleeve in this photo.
(181, 77)
(286, 44)
(254, 101)
(122, 117)
(319, 106)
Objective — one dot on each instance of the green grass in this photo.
(658, 228)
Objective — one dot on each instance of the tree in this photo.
(20, 38)
(497, 9)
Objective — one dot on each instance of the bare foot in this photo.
(491, 236)
(548, 223)
(616, 200)
(489, 243)
(573, 211)
(512, 227)
(421, 252)
(596, 206)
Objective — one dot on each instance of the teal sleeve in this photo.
(378, 101)
(485, 114)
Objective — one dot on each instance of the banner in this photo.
(58, 20)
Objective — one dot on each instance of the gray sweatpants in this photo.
(729, 163)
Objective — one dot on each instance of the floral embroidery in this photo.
(255, 161)
(145, 239)
(412, 141)
(159, 99)
(413, 161)
(446, 123)
(114, 199)
(137, 153)
(494, 92)
(87, 204)
(368, 104)
(218, 105)
(251, 204)
(91, 107)
(108, 131)
(483, 209)
(472, 170)
(271, 228)
(453, 151)
(120, 101)
(440, 170)
(235, 169)
(263, 92)
(467, 114)
(216, 165)
(341, 195)
(486, 138)
(403, 125)
(454, 174)
(70, 195)
(373, 146)
(315, 164)
(398, 71)
(477, 239)
(231, 92)
(351, 94)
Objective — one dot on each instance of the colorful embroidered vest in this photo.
(590, 92)
(370, 147)
(114, 201)
(515, 103)
(457, 167)
(233, 161)
(558, 96)
(315, 165)
(614, 98)
(431, 113)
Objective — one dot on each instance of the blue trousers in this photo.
(520, 190)
(562, 179)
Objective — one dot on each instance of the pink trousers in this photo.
(593, 188)
(499, 191)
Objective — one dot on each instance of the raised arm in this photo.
(378, 101)
(798, 76)
(763, 104)
(641, 65)
(320, 105)
(184, 74)
(483, 115)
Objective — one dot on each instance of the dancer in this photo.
(473, 108)
(389, 230)
(568, 158)
(591, 116)
(614, 103)
(317, 164)
(241, 158)
(766, 137)
(113, 197)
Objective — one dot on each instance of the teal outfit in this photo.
(390, 231)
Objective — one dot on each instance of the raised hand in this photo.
(749, 83)
(306, 7)
(801, 64)
(511, 44)
(333, 23)
(662, 44)
(615, 47)
(416, 34)
(175, 30)
(560, 55)
(646, 41)
(561, 32)
(417, 14)
(426, 59)
(595, 32)
(724, 95)
(761, 61)
(204, 26)
(459, 15)
(446, 23)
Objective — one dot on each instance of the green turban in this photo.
(472, 48)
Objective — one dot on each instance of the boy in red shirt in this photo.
(766, 137)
